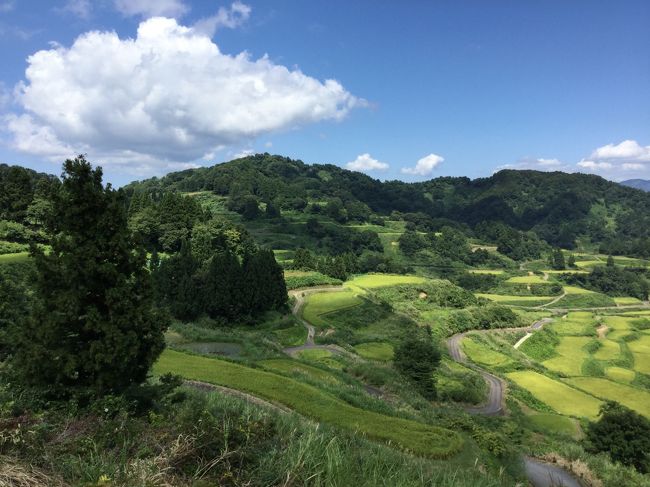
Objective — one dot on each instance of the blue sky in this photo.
(421, 88)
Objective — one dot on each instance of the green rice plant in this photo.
(314, 354)
(541, 346)
(558, 395)
(609, 350)
(640, 350)
(15, 257)
(552, 423)
(512, 300)
(289, 366)
(529, 279)
(593, 368)
(421, 439)
(380, 351)
(626, 301)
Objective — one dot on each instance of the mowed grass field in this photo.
(559, 396)
(482, 354)
(380, 351)
(370, 281)
(318, 305)
(571, 356)
(419, 438)
(632, 397)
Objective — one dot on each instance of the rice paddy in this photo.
(559, 396)
(527, 301)
(629, 396)
(609, 350)
(371, 281)
(620, 374)
(626, 301)
(421, 439)
(482, 354)
(641, 351)
(380, 351)
(496, 272)
(530, 279)
(318, 305)
(571, 356)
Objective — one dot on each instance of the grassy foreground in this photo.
(419, 438)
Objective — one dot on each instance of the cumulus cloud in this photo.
(167, 96)
(425, 166)
(231, 18)
(614, 161)
(152, 8)
(365, 163)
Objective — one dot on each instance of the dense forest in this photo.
(558, 207)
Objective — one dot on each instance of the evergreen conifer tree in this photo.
(93, 329)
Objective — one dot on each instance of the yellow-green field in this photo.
(382, 280)
(318, 305)
(481, 354)
(17, 257)
(422, 439)
(576, 290)
(526, 280)
(620, 374)
(626, 301)
(609, 350)
(641, 351)
(634, 398)
(575, 323)
(291, 366)
(516, 300)
(566, 271)
(571, 356)
(380, 351)
(562, 398)
(554, 423)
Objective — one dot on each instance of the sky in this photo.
(399, 90)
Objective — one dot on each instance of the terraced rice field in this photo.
(481, 354)
(422, 439)
(291, 366)
(609, 350)
(626, 301)
(574, 324)
(528, 301)
(526, 280)
(17, 257)
(318, 305)
(620, 374)
(629, 396)
(559, 396)
(641, 351)
(496, 272)
(380, 351)
(370, 281)
(553, 423)
(571, 356)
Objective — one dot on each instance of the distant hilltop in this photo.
(643, 184)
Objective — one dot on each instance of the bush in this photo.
(416, 359)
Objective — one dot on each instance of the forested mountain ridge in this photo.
(642, 184)
(559, 207)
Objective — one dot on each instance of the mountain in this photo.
(559, 207)
(642, 184)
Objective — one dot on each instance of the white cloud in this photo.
(365, 163)
(167, 96)
(80, 8)
(152, 8)
(627, 150)
(231, 18)
(594, 165)
(425, 166)
(632, 166)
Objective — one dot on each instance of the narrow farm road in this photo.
(540, 474)
(300, 295)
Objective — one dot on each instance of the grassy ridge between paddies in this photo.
(633, 398)
(559, 396)
(419, 438)
(318, 305)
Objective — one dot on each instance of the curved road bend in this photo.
(540, 474)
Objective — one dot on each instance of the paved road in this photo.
(540, 474)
